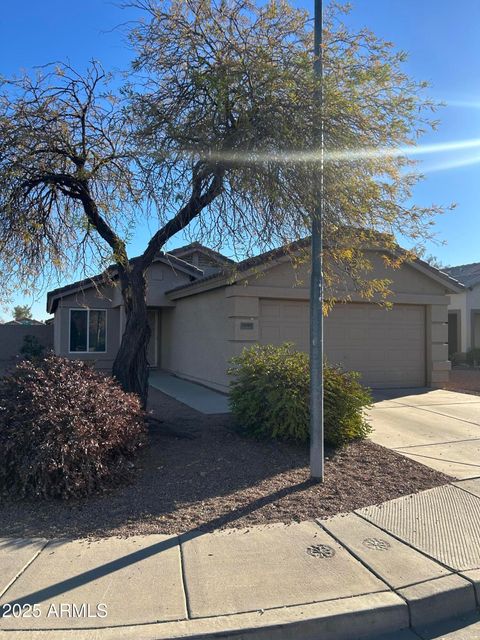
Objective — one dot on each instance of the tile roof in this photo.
(110, 273)
(467, 274)
(273, 254)
(200, 247)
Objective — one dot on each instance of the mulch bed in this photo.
(221, 479)
(464, 381)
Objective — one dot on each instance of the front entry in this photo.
(153, 349)
(453, 330)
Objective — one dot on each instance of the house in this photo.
(204, 308)
(23, 322)
(464, 310)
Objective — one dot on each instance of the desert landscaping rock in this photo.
(224, 480)
(138, 579)
(343, 578)
(393, 561)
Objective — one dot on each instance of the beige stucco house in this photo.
(204, 309)
(464, 310)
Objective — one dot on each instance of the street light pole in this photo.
(316, 281)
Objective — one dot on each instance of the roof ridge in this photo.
(462, 266)
(200, 247)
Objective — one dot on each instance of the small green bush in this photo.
(473, 356)
(32, 347)
(66, 431)
(270, 396)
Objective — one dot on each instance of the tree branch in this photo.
(191, 210)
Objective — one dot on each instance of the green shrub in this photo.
(32, 347)
(65, 430)
(270, 396)
(473, 356)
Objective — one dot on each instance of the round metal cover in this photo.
(377, 544)
(321, 551)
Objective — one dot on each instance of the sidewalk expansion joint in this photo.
(23, 569)
(444, 415)
(364, 564)
(465, 490)
(420, 455)
(435, 444)
(406, 543)
(184, 579)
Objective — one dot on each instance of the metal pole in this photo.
(316, 282)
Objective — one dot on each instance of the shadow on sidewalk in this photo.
(82, 579)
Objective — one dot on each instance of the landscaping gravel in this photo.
(221, 479)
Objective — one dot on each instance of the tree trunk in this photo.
(130, 367)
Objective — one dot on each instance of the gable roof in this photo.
(110, 274)
(23, 322)
(467, 274)
(197, 246)
(269, 258)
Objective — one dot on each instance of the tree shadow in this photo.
(63, 586)
(173, 475)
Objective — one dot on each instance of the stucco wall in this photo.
(458, 302)
(201, 332)
(194, 338)
(467, 303)
(160, 278)
(89, 299)
(12, 337)
(206, 344)
(405, 279)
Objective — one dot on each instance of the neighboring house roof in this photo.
(23, 321)
(196, 246)
(467, 274)
(111, 273)
(270, 257)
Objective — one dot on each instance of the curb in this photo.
(414, 589)
(370, 615)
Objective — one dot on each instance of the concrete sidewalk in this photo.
(439, 428)
(193, 395)
(407, 563)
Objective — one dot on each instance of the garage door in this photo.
(386, 346)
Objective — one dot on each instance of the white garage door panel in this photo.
(386, 346)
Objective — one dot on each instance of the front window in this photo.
(88, 330)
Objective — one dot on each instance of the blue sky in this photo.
(441, 37)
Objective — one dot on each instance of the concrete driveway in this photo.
(439, 428)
